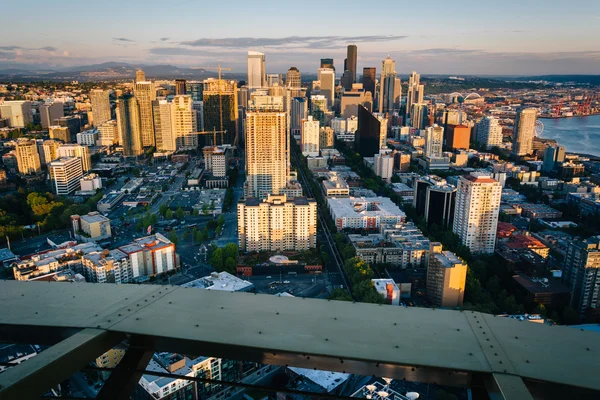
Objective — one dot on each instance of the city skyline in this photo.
(519, 39)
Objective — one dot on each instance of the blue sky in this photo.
(435, 36)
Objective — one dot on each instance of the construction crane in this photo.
(219, 69)
(214, 135)
(557, 108)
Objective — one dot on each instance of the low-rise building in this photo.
(222, 281)
(92, 226)
(108, 201)
(364, 213)
(388, 289)
(335, 186)
(90, 183)
(518, 242)
(107, 266)
(541, 211)
(151, 255)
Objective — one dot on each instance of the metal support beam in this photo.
(125, 377)
(507, 387)
(36, 376)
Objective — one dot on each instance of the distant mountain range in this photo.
(100, 72)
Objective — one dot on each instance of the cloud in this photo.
(122, 39)
(313, 42)
(164, 39)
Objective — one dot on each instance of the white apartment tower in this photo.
(257, 74)
(476, 213)
(76, 150)
(163, 129)
(184, 122)
(28, 158)
(277, 224)
(309, 138)
(18, 111)
(434, 141)
(100, 100)
(524, 131)
(384, 164)
(65, 174)
(489, 132)
(267, 147)
(145, 94)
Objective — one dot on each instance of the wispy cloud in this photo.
(179, 51)
(164, 39)
(314, 42)
(122, 39)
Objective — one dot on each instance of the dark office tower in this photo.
(368, 79)
(180, 87)
(421, 185)
(327, 63)
(194, 89)
(129, 125)
(221, 110)
(351, 62)
(439, 206)
(346, 80)
(367, 141)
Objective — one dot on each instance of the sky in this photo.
(512, 37)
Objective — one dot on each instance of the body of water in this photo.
(577, 134)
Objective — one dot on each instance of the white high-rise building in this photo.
(327, 79)
(434, 141)
(257, 74)
(108, 133)
(489, 132)
(387, 86)
(299, 112)
(76, 150)
(100, 100)
(19, 112)
(28, 158)
(184, 122)
(476, 213)
(267, 147)
(145, 94)
(50, 112)
(65, 174)
(524, 131)
(384, 164)
(277, 224)
(88, 138)
(309, 138)
(163, 129)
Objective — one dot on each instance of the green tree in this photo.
(340, 294)
(231, 265)
(216, 259)
(179, 213)
(221, 220)
(230, 251)
(199, 236)
(163, 209)
(173, 237)
(205, 209)
(169, 214)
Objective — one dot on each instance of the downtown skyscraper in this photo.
(257, 74)
(145, 94)
(129, 125)
(415, 92)
(389, 87)
(349, 76)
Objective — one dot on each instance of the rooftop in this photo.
(326, 379)
(94, 217)
(222, 281)
(540, 285)
(448, 259)
(366, 207)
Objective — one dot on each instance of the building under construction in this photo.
(220, 112)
